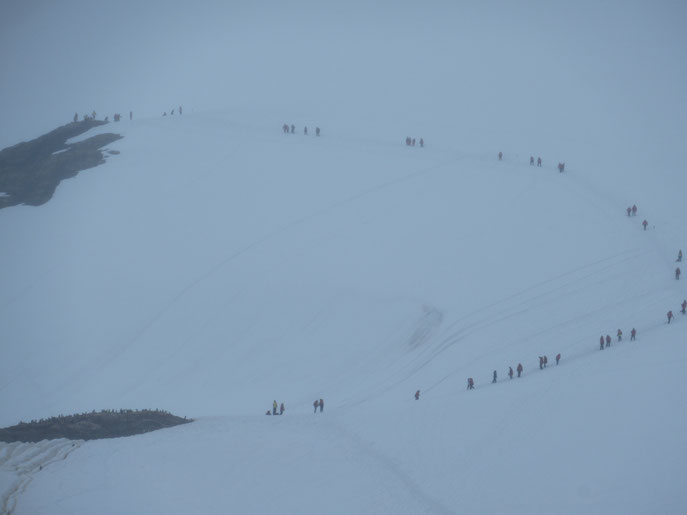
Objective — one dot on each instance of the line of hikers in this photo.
(543, 361)
(274, 409)
(291, 129)
(319, 403)
(561, 166)
(607, 340)
(632, 211)
(116, 117)
(181, 111)
(410, 142)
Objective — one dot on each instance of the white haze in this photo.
(216, 264)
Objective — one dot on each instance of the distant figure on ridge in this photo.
(274, 408)
(293, 129)
(684, 307)
(471, 384)
(76, 117)
(539, 161)
(305, 130)
(281, 409)
(417, 395)
(633, 334)
(321, 405)
(531, 160)
(558, 358)
(422, 143)
(500, 156)
(494, 380)
(679, 256)
(634, 209)
(620, 335)
(644, 224)
(510, 372)
(317, 131)
(519, 369)
(670, 316)
(608, 340)
(316, 404)
(601, 342)
(561, 167)
(629, 211)
(677, 273)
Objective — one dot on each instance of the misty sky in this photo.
(492, 79)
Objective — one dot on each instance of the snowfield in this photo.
(216, 264)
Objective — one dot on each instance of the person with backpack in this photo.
(274, 408)
(633, 334)
(670, 316)
(644, 224)
(316, 404)
(677, 273)
(321, 405)
(608, 340)
(417, 395)
(634, 209)
(471, 384)
(510, 372)
(519, 369)
(629, 211)
(531, 160)
(539, 161)
(558, 358)
(494, 380)
(541, 363)
(546, 361)
(620, 335)
(601, 342)
(679, 256)
(684, 307)
(281, 409)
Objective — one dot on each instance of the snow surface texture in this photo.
(216, 264)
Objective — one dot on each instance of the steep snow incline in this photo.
(217, 264)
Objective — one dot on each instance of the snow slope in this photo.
(216, 264)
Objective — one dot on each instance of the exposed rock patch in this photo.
(91, 426)
(30, 171)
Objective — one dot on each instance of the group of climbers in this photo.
(561, 166)
(631, 211)
(410, 142)
(274, 409)
(543, 361)
(291, 129)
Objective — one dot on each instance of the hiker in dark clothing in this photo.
(519, 369)
(558, 358)
(494, 380)
(417, 395)
(510, 372)
(316, 404)
(321, 405)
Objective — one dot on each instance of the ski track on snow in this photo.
(24, 461)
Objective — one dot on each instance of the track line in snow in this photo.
(24, 461)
